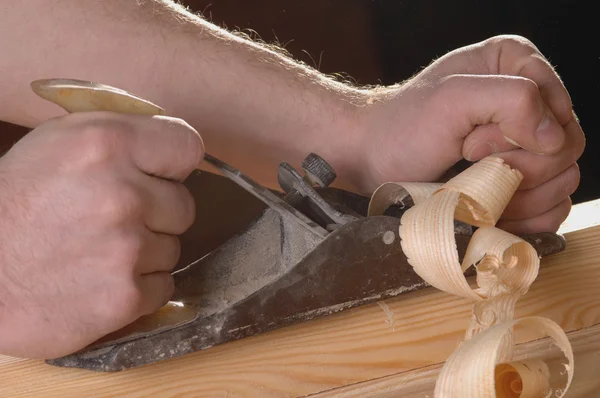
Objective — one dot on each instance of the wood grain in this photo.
(420, 383)
(350, 347)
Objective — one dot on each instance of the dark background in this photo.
(387, 41)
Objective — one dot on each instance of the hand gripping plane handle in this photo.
(83, 96)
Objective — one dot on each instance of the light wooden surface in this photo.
(344, 349)
(420, 383)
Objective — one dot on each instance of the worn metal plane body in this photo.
(311, 251)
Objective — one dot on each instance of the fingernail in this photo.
(481, 150)
(511, 141)
(549, 135)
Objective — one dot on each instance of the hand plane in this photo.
(311, 252)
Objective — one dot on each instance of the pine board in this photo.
(344, 349)
(420, 383)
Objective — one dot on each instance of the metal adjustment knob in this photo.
(300, 190)
(318, 170)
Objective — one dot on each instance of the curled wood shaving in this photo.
(404, 194)
(506, 266)
(510, 378)
(471, 371)
(486, 187)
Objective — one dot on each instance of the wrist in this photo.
(341, 139)
(356, 133)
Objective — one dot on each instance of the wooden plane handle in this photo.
(82, 96)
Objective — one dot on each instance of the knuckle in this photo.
(192, 146)
(512, 40)
(173, 251)
(578, 146)
(450, 82)
(526, 97)
(170, 250)
(126, 252)
(560, 214)
(120, 204)
(99, 143)
(121, 305)
(188, 206)
(571, 179)
(174, 246)
(447, 88)
(163, 288)
(195, 152)
(169, 287)
(131, 301)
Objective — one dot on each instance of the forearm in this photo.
(253, 106)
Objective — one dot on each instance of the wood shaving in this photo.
(506, 267)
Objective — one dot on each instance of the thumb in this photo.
(512, 104)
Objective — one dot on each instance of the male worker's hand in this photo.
(497, 96)
(91, 206)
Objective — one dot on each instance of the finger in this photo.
(510, 55)
(513, 103)
(159, 253)
(518, 56)
(533, 202)
(165, 147)
(158, 145)
(538, 169)
(169, 207)
(549, 221)
(483, 141)
(156, 290)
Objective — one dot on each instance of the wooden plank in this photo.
(420, 383)
(582, 216)
(346, 348)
